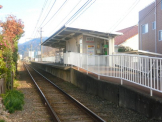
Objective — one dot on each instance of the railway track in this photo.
(61, 106)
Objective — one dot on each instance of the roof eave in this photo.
(97, 34)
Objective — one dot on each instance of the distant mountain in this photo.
(32, 45)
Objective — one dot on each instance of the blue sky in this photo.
(102, 15)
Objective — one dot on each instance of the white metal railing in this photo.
(54, 59)
(49, 59)
(37, 59)
(142, 70)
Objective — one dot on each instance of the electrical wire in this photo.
(40, 16)
(45, 3)
(48, 12)
(49, 5)
(69, 13)
(150, 11)
(82, 12)
(44, 13)
(120, 20)
(55, 13)
(145, 16)
(79, 10)
(82, 8)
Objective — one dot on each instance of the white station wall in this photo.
(72, 44)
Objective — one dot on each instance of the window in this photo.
(153, 25)
(160, 35)
(89, 39)
(161, 4)
(144, 28)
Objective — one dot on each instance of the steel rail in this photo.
(52, 112)
(95, 117)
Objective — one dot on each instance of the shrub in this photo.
(16, 83)
(13, 100)
(124, 49)
(2, 120)
(3, 68)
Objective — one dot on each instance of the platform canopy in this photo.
(59, 38)
(143, 53)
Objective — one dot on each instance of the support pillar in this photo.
(111, 51)
(111, 46)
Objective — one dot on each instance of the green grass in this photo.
(2, 120)
(13, 100)
(16, 84)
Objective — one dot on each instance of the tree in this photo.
(12, 30)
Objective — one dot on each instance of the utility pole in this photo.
(41, 42)
(31, 51)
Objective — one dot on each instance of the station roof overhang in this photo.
(59, 38)
(142, 52)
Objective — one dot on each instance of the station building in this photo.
(68, 39)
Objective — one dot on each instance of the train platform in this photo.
(130, 85)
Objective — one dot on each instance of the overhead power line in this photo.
(45, 3)
(80, 10)
(121, 19)
(69, 13)
(145, 15)
(46, 15)
(40, 15)
(150, 11)
(48, 12)
(50, 2)
(54, 14)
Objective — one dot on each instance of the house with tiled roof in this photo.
(129, 39)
